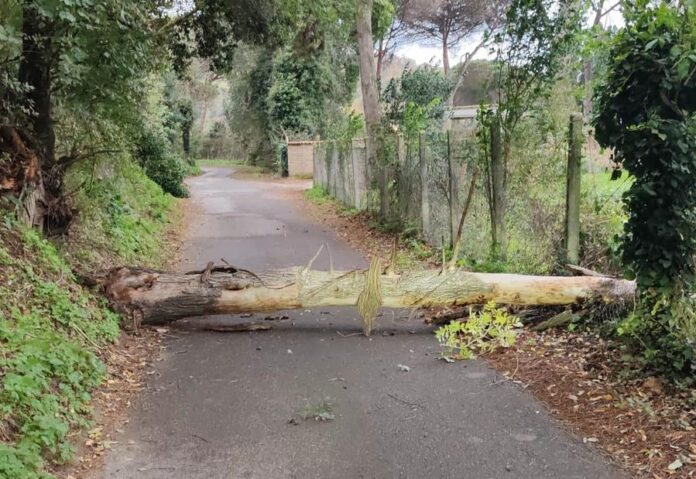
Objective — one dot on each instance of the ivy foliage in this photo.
(302, 88)
(645, 110)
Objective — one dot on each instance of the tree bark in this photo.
(445, 52)
(186, 143)
(368, 79)
(370, 97)
(20, 175)
(457, 241)
(155, 298)
(381, 52)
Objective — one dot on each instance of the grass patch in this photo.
(219, 162)
(193, 169)
(123, 219)
(238, 166)
(321, 411)
(318, 195)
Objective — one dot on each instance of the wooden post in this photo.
(572, 219)
(401, 202)
(383, 191)
(425, 200)
(453, 194)
(498, 193)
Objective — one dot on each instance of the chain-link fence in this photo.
(426, 176)
(429, 177)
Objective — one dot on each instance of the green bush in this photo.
(160, 165)
(645, 110)
(123, 216)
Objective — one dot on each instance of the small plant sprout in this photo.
(321, 411)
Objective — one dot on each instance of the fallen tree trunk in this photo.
(152, 297)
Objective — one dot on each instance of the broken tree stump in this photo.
(158, 297)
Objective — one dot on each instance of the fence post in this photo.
(453, 193)
(572, 219)
(498, 195)
(425, 198)
(401, 205)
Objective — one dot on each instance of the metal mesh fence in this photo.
(429, 176)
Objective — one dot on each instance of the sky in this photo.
(433, 55)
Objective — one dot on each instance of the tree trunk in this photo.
(186, 141)
(445, 53)
(380, 61)
(370, 96)
(573, 189)
(35, 72)
(154, 298)
(587, 66)
(20, 176)
(368, 80)
(457, 241)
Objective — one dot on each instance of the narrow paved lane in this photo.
(219, 405)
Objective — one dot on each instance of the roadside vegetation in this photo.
(92, 156)
(53, 330)
(106, 106)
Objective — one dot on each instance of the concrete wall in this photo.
(301, 158)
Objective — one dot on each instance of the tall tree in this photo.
(445, 22)
(84, 58)
(599, 9)
(370, 94)
(387, 30)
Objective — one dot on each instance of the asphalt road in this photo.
(220, 404)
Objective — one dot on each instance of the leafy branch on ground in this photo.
(481, 332)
